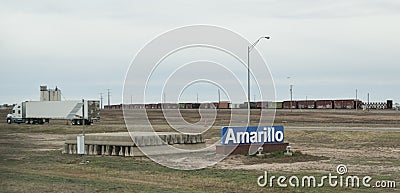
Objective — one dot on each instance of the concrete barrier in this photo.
(121, 143)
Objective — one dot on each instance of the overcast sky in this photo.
(328, 48)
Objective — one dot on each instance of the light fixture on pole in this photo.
(249, 49)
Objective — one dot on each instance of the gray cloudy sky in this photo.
(329, 48)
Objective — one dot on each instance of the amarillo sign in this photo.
(252, 135)
(238, 140)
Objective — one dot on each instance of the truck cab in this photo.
(16, 115)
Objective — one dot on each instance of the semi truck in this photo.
(40, 112)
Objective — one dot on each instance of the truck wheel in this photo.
(9, 121)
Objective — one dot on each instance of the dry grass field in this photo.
(368, 143)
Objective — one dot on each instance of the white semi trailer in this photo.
(39, 112)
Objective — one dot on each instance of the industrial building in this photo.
(50, 94)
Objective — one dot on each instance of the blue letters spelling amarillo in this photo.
(252, 135)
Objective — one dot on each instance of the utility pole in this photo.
(83, 132)
(291, 97)
(108, 97)
(291, 93)
(368, 102)
(164, 97)
(219, 96)
(219, 99)
(197, 97)
(356, 100)
(101, 100)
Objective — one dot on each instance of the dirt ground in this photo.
(369, 150)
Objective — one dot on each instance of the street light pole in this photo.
(249, 49)
(291, 97)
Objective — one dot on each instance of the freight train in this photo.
(336, 104)
(295, 104)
